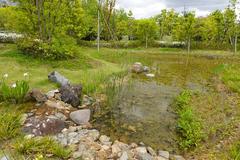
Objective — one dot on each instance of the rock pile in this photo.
(69, 125)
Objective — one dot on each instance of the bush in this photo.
(10, 124)
(59, 48)
(41, 146)
(14, 93)
(189, 126)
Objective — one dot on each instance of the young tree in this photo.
(146, 30)
(166, 21)
(184, 28)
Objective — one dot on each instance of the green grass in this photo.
(189, 126)
(10, 125)
(235, 151)
(41, 146)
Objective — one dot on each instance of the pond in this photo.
(145, 112)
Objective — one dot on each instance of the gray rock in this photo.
(61, 116)
(146, 69)
(71, 94)
(38, 96)
(164, 154)
(146, 156)
(105, 140)
(151, 151)
(93, 134)
(124, 156)
(52, 93)
(80, 116)
(142, 150)
(53, 104)
(58, 78)
(5, 158)
(137, 67)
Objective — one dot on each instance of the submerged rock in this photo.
(80, 116)
(58, 78)
(150, 75)
(146, 69)
(137, 67)
(71, 94)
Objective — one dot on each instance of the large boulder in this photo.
(80, 116)
(58, 78)
(71, 94)
(43, 126)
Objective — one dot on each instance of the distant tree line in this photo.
(48, 20)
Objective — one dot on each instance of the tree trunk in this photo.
(235, 44)
(146, 41)
(189, 44)
(39, 19)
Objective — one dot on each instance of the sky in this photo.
(148, 8)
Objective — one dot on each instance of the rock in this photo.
(80, 116)
(124, 156)
(137, 67)
(151, 151)
(146, 69)
(87, 101)
(142, 150)
(5, 158)
(178, 157)
(164, 154)
(61, 116)
(144, 156)
(105, 140)
(43, 126)
(150, 75)
(53, 104)
(93, 134)
(117, 147)
(51, 94)
(29, 136)
(71, 94)
(38, 96)
(58, 78)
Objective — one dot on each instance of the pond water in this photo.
(145, 112)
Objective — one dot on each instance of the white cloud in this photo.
(148, 8)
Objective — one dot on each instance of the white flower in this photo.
(14, 85)
(5, 75)
(25, 74)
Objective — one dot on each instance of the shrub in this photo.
(189, 126)
(41, 146)
(59, 48)
(10, 124)
(14, 93)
